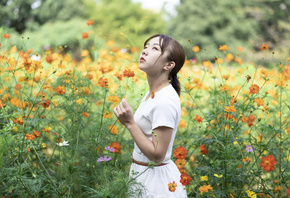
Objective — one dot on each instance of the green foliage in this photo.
(53, 11)
(61, 33)
(15, 14)
(210, 24)
(115, 17)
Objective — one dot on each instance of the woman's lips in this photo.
(142, 59)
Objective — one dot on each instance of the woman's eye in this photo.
(155, 48)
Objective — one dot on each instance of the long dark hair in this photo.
(176, 54)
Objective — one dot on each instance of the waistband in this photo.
(146, 164)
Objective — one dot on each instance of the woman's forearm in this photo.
(145, 145)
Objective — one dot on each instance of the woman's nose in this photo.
(144, 52)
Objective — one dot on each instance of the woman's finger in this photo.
(116, 111)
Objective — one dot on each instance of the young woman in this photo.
(154, 124)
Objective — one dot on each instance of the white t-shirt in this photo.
(161, 110)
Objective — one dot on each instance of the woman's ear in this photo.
(170, 65)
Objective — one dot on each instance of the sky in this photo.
(157, 4)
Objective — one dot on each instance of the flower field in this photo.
(60, 138)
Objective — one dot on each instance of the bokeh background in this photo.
(208, 23)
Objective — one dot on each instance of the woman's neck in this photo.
(157, 84)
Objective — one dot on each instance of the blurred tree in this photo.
(51, 10)
(19, 14)
(211, 23)
(124, 22)
(15, 13)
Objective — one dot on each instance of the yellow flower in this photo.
(182, 124)
(224, 47)
(79, 101)
(224, 88)
(195, 49)
(218, 176)
(203, 178)
(230, 108)
(191, 158)
(251, 194)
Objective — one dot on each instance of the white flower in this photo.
(35, 57)
(64, 143)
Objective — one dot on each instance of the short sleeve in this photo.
(164, 114)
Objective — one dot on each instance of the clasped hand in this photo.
(124, 113)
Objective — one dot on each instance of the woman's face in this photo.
(150, 58)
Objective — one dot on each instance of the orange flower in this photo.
(239, 60)
(224, 88)
(107, 114)
(18, 121)
(46, 129)
(86, 91)
(230, 108)
(152, 94)
(180, 152)
(182, 124)
(288, 190)
(134, 49)
(114, 99)
(185, 179)
(254, 89)
(248, 159)
(259, 101)
(128, 73)
(58, 140)
(85, 35)
(198, 119)
(30, 136)
(288, 130)
(60, 90)
(268, 163)
(203, 149)
(2, 104)
(49, 59)
(90, 22)
(28, 149)
(119, 75)
(195, 49)
(245, 119)
(113, 129)
(180, 163)
(116, 146)
(6, 35)
(205, 188)
(36, 133)
(90, 76)
(229, 116)
(45, 103)
(229, 57)
(264, 47)
(182, 171)
(240, 49)
(224, 47)
(85, 114)
(278, 188)
(233, 100)
(252, 118)
(103, 82)
(110, 43)
(172, 186)
(18, 87)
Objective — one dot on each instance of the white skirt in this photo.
(155, 180)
